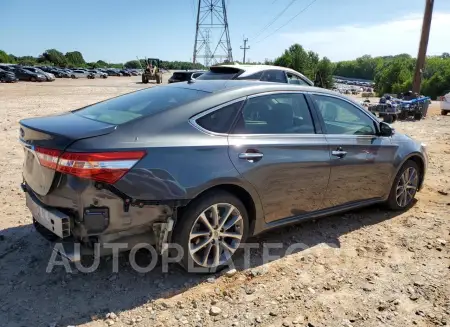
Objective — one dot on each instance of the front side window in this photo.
(283, 113)
(277, 76)
(220, 120)
(341, 117)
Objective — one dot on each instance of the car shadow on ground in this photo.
(30, 294)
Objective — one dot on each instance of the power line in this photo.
(290, 20)
(275, 19)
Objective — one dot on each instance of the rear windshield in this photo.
(220, 73)
(139, 104)
(181, 75)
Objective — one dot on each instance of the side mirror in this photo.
(386, 129)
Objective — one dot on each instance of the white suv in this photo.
(265, 73)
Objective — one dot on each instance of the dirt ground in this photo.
(365, 268)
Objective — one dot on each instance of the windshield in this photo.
(139, 104)
(220, 73)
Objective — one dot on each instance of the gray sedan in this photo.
(78, 73)
(206, 164)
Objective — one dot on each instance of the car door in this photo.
(361, 160)
(276, 146)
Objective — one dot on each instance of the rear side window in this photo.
(273, 75)
(139, 104)
(220, 120)
(256, 76)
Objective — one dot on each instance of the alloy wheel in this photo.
(215, 235)
(407, 187)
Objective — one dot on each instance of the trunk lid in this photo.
(54, 133)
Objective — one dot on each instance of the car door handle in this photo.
(339, 153)
(250, 155)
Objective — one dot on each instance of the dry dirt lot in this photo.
(366, 268)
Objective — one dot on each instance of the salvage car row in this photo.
(14, 73)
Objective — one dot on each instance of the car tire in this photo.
(33, 79)
(402, 199)
(203, 259)
(444, 112)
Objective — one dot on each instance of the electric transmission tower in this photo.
(212, 33)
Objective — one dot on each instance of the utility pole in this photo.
(422, 53)
(245, 48)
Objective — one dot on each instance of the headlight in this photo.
(40, 75)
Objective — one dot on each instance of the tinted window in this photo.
(341, 117)
(257, 76)
(275, 114)
(181, 76)
(277, 76)
(220, 73)
(195, 75)
(216, 76)
(139, 104)
(219, 121)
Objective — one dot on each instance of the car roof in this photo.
(252, 69)
(257, 68)
(217, 86)
(190, 71)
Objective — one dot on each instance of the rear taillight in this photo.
(106, 167)
(48, 157)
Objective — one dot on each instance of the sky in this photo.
(119, 30)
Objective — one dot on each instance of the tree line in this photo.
(394, 74)
(391, 74)
(74, 59)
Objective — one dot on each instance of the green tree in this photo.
(27, 61)
(75, 58)
(133, 64)
(55, 57)
(324, 74)
(4, 58)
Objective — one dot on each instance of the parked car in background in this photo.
(7, 76)
(113, 72)
(9, 68)
(264, 73)
(125, 72)
(185, 75)
(445, 103)
(270, 154)
(98, 73)
(77, 73)
(26, 75)
(49, 76)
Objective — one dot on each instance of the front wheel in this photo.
(418, 116)
(210, 231)
(444, 112)
(405, 187)
(33, 79)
